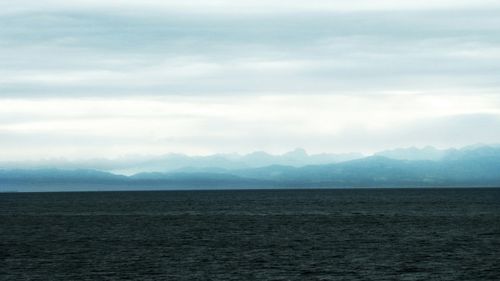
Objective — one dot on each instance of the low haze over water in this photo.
(351, 234)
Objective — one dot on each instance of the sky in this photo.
(105, 79)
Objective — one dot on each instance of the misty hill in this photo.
(467, 167)
(49, 174)
(414, 153)
(59, 180)
(434, 154)
(220, 163)
(178, 162)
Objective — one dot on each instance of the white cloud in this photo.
(108, 78)
(111, 128)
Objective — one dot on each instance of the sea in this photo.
(307, 234)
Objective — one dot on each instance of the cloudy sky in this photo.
(85, 79)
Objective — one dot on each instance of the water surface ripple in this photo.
(360, 234)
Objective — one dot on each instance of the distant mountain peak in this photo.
(258, 153)
(414, 153)
(297, 152)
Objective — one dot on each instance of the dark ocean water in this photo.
(376, 234)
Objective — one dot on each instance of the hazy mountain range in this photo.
(411, 167)
(175, 162)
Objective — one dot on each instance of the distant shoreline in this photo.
(255, 189)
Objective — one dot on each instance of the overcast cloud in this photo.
(83, 79)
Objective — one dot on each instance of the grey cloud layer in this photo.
(99, 53)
